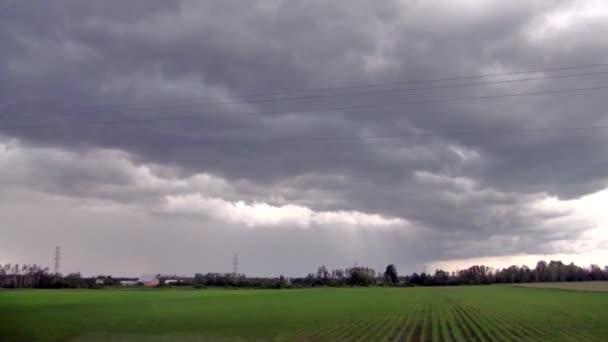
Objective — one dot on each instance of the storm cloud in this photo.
(155, 136)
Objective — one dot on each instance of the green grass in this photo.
(595, 286)
(482, 313)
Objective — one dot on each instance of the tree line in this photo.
(553, 271)
(354, 276)
(34, 276)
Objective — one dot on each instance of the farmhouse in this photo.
(149, 280)
(128, 282)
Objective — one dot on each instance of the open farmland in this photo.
(482, 313)
(597, 286)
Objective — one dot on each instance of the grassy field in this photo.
(597, 286)
(483, 313)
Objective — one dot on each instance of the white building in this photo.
(128, 282)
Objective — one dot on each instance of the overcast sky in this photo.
(129, 136)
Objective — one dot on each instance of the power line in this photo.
(370, 85)
(139, 107)
(291, 140)
(338, 108)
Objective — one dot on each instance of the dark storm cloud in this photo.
(64, 61)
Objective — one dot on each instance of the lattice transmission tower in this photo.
(57, 259)
(235, 265)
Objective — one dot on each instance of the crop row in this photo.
(447, 320)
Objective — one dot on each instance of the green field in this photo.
(597, 286)
(482, 313)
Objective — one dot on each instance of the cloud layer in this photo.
(135, 113)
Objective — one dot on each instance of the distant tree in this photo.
(542, 271)
(73, 280)
(390, 275)
(282, 282)
(323, 275)
(16, 272)
(338, 273)
(425, 279)
(441, 277)
(310, 280)
(557, 271)
(337, 277)
(360, 276)
(525, 274)
(595, 272)
(415, 279)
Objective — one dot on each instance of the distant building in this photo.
(128, 282)
(171, 281)
(99, 281)
(149, 280)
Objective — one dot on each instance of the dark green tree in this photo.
(390, 275)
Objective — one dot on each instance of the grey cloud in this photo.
(459, 211)
(64, 54)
